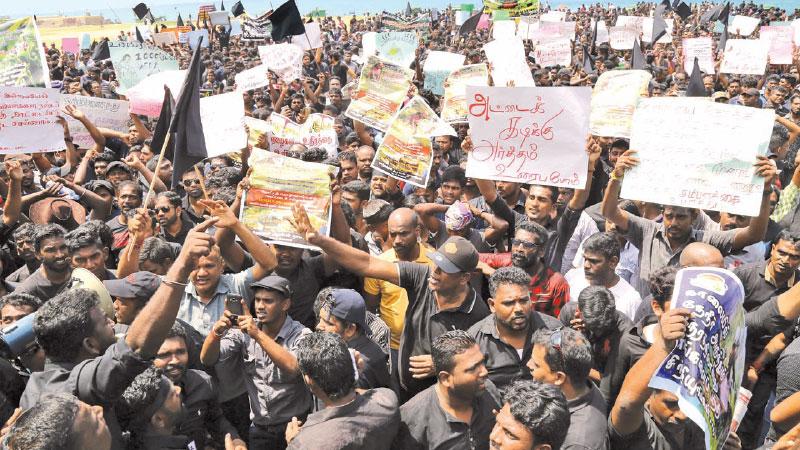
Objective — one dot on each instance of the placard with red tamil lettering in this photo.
(28, 120)
(529, 135)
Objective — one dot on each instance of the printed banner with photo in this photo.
(28, 122)
(614, 99)
(455, 91)
(22, 59)
(516, 8)
(135, 61)
(382, 87)
(405, 152)
(691, 156)
(397, 47)
(278, 182)
(316, 131)
(103, 112)
(529, 135)
(705, 368)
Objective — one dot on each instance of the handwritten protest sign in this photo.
(382, 87)
(621, 38)
(691, 156)
(614, 98)
(632, 22)
(311, 39)
(397, 47)
(554, 16)
(529, 135)
(286, 60)
(278, 182)
(368, 45)
(527, 28)
(647, 31)
(222, 117)
(177, 31)
(23, 61)
(549, 31)
(316, 131)
(252, 78)
(165, 38)
(148, 95)
(105, 113)
(193, 37)
(438, 65)
(86, 41)
(255, 129)
(503, 29)
(405, 153)
(743, 25)
(507, 58)
(705, 368)
(455, 89)
(70, 45)
(700, 48)
(780, 42)
(219, 18)
(745, 56)
(28, 120)
(134, 61)
(602, 32)
(554, 53)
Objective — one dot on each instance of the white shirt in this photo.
(586, 227)
(626, 298)
(627, 268)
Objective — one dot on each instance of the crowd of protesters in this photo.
(464, 314)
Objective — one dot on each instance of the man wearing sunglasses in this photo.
(175, 225)
(563, 358)
(194, 193)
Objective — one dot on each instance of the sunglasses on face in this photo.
(163, 209)
(525, 244)
(190, 182)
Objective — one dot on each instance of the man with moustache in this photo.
(53, 275)
(505, 335)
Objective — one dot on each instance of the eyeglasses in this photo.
(191, 181)
(555, 342)
(525, 244)
(163, 209)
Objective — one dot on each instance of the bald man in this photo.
(364, 157)
(700, 254)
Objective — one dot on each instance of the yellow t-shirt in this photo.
(394, 299)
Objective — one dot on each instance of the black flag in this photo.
(588, 61)
(659, 24)
(723, 38)
(725, 13)
(471, 24)
(141, 10)
(237, 9)
(719, 12)
(696, 88)
(139, 35)
(408, 9)
(190, 145)
(180, 20)
(162, 126)
(101, 51)
(222, 5)
(666, 4)
(683, 10)
(286, 21)
(637, 58)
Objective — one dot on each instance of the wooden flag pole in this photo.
(158, 167)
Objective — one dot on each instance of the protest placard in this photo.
(255, 129)
(780, 42)
(382, 87)
(554, 53)
(509, 65)
(554, 16)
(283, 133)
(602, 32)
(28, 120)
(177, 31)
(438, 65)
(503, 29)
(700, 48)
(311, 39)
(705, 368)
(203, 12)
(236, 28)
(632, 22)
(461, 16)
(278, 182)
(529, 135)
(23, 62)
(745, 56)
(316, 131)
(743, 25)
(219, 18)
(614, 98)
(455, 89)
(70, 45)
(528, 28)
(550, 31)
(134, 61)
(253, 78)
(405, 152)
(222, 117)
(621, 38)
(86, 41)
(647, 31)
(193, 37)
(796, 27)
(368, 45)
(103, 112)
(147, 96)
(397, 47)
(253, 30)
(691, 155)
(165, 38)
(286, 60)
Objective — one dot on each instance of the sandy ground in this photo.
(96, 32)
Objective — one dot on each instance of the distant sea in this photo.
(331, 7)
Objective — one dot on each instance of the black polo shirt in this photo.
(424, 322)
(425, 425)
(632, 346)
(376, 370)
(502, 360)
(186, 226)
(203, 414)
(588, 428)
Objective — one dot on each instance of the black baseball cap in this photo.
(140, 285)
(456, 255)
(275, 283)
(349, 305)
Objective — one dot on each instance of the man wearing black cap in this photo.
(346, 315)
(263, 348)
(439, 299)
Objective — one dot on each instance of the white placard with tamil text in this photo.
(621, 38)
(691, 155)
(168, 38)
(529, 135)
(780, 40)
(222, 117)
(745, 56)
(614, 100)
(700, 48)
(554, 53)
(219, 18)
(286, 60)
(253, 78)
(311, 39)
(508, 61)
(504, 29)
(743, 25)
(28, 120)
(103, 112)
(438, 66)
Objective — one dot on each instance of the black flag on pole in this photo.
(180, 20)
(637, 57)
(696, 88)
(237, 9)
(190, 144)
(140, 10)
(162, 126)
(471, 24)
(286, 21)
(139, 35)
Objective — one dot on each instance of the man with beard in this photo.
(198, 393)
(128, 198)
(265, 346)
(23, 242)
(505, 335)
(548, 288)
(54, 272)
(457, 411)
(348, 165)
(194, 193)
(175, 225)
(364, 156)
(390, 300)
(88, 252)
